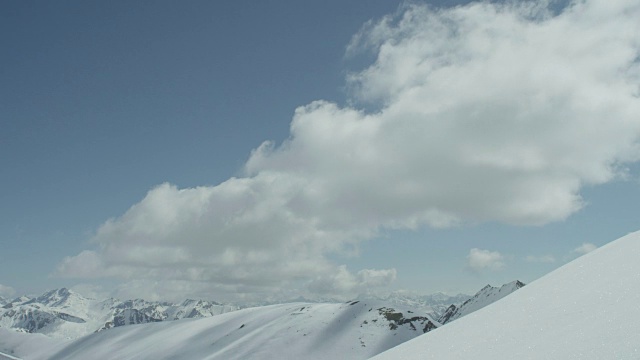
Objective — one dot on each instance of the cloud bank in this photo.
(485, 112)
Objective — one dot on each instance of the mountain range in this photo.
(65, 314)
(359, 328)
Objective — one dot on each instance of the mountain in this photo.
(61, 298)
(10, 303)
(487, 295)
(357, 329)
(434, 304)
(65, 314)
(141, 311)
(587, 309)
(353, 330)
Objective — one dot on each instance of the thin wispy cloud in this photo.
(480, 260)
(585, 248)
(487, 112)
(540, 259)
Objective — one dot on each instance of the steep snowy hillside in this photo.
(354, 330)
(587, 309)
(482, 298)
(65, 314)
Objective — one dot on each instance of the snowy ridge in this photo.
(65, 314)
(487, 295)
(357, 329)
(353, 330)
(587, 309)
(435, 304)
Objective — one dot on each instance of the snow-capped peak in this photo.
(62, 297)
(482, 298)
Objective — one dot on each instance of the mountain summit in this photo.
(482, 298)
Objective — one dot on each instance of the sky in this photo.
(241, 150)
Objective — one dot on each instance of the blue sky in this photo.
(105, 102)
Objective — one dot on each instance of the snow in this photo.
(4, 356)
(487, 295)
(587, 309)
(355, 330)
(65, 314)
(28, 346)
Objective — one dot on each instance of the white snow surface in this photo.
(355, 330)
(28, 346)
(587, 309)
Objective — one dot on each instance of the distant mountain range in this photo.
(356, 329)
(65, 314)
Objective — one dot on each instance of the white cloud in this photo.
(6, 290)
(480, 260)
(343, 282)
(541, 259)
(487, 112)
(585, 248)
(91, 291)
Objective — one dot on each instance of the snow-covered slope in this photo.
(29, 346)
(587, 309)
(354, 330)
(65, 314)
(487, 295)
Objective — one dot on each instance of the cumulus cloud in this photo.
(540, 259)
(343, 281)
(480, 260)
(585, 248)
(484, 112)
(6, 290)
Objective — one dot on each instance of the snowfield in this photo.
(28, 346)
(354, 330)
(587, 309)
